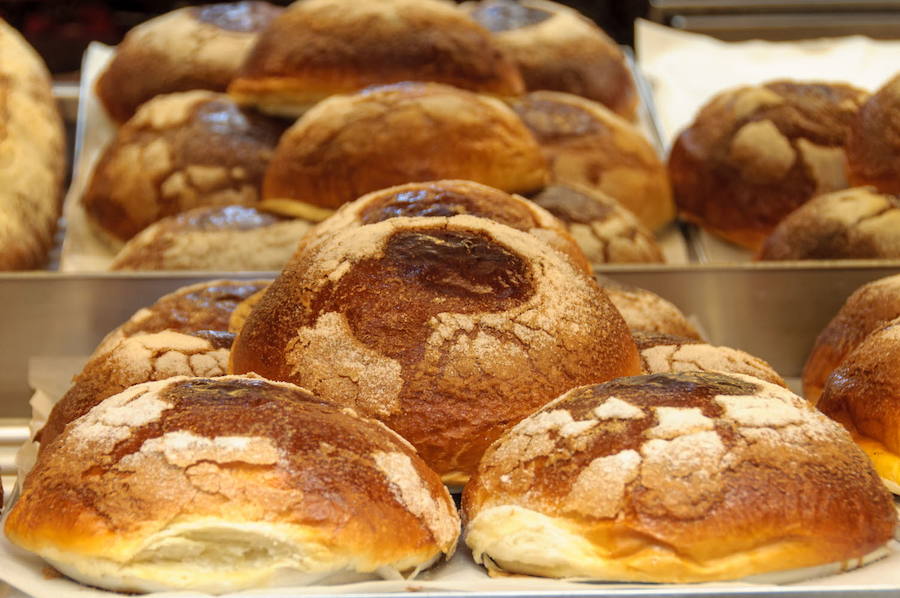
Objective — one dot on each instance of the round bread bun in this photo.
(754, 154)
(136, 359)
(587, 144)
(863, 393)
(197, 47)
(558, 49)
(214, 238)
(646, 311)
(180, 151)
(201, 306)
(223, 484)
(448, 330)
(873, 145)
(32, 155)
(869, 308)
(350, 145)
(442, 199)
(675, 478)
(318, 48)
(668, 353)
(606, 232)
(857, 223)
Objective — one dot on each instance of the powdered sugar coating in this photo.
(599, 490)
(691, 356)
(613, 408)
(678, 421)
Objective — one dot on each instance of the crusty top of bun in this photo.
(873, 145)
(220, 484)
(870, 307)
(179, 151)
(202, 306)
(349, 145)
(585, 143)
(675, 478)
(446, 329)
(136, 359)
(664, 353)
(317, 48)
(754, 154)
(447, 198)
(646, 311)
(198, 47)
(857, 223)
(556, 48)
(606, 232)
(32, 146)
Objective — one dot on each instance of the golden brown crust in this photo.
(858, 223)
(586, 144)
(442, 199)
(32, 146)
(754, 154)
(646, 311)
(201, 306)
(869, 308)
(180, 151)
(313, 488)
(348, 146)
(679, 478)
(234, 238)
(873, 144)
(318, 48)
(448, 330)
(200, 47)
(606, 232)
(558, 49)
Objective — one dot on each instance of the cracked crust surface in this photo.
(442, 199)
(202, 306)
(858, 223)
(606, 232)
(179, 151)
(873, 145)
(646, 311)
(667, 353)
(447, 329)
(558, 49)
(199, 47)
(586, 144)
(318, 48)
(755, 154)
(869, 308)
(217, 484)
(32, 155)
(674, 478)
(350, 145)
(235, 238)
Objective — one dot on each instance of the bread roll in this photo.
(447, 329)
(214, 238)
(318, 48)
(755, 154)
(32, 155)
(646, 311)
(873, 144)
(558, 49)
(870, 307)
(606, 232)
(586, 144)
(202, 306)
(222, 484)
(863, 393)
(675, 478)
(196, 47)
(180, 151)
(350, 145)
(668, 353)
(858, 223)
(442, 199)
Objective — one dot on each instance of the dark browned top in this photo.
(553, 121)
(644, 339)
(571, 205)
(873, 146)
(503, 15)
(243, 17)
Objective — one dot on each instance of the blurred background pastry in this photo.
(646, 311)
(873, 144)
